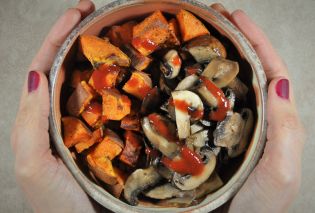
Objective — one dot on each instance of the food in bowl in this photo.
(156, 109)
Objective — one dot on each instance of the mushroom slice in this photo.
(239, 88)
(171, 64)
(207, 96)
(167, 191)
(247, 116)
(188, 82)
(195, 128)
(205, 48)
(164, 171)
(230, 95)
(159, 142)
(189, 182)
(188, 106)
(198, 139)
(179, 202)
(221, 71)
(213, 183)
(138, 181)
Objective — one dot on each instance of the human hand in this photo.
(44, 179)
(275, 181)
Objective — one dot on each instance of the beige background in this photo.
(290, 25)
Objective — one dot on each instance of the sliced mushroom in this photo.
(167, 191)
(165, 172)
(247, 116)
(188, 82)
(179, 202)
(138, 181)
(230, 95)
(239, 88)
(221, 71)
(198, 139)
(189, 182)
(185, 101)
(159, 142)
(207, 96)
(171, 64)
(213, 183)
(205, 48)
(228, 132)
(195, 128)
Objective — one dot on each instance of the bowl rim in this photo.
(95, 191)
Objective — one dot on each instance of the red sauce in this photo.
(162, 128)
(185, 107)
(144, 43)
(176, 61)
(223, 103)
(94, 108)
(190, 162)
(105, 76)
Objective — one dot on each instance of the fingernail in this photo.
(282, 88)
(33, 81)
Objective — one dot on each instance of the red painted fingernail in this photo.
(33, 81)
(282, 88)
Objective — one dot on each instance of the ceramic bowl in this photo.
(251, 71)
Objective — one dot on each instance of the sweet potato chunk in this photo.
(120, 35)
(93, 114)
(115, 105)
(138, 61)
(101, 51)
(117, 189)
(138, 85)
(131, 122)
(97, 136)
(74, 131)
(174, 32)
(150, 33)
(102, 168)
(190, 26)
(78, 76)
(133, 145)
(104, 76)
(80, 98)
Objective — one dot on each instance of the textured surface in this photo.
(23, 24)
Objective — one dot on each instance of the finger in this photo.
(271, 61)
(57, 35)
(221, 9)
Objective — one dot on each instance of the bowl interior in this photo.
(238, 48)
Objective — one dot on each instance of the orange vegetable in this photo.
(190, 26)
(133, 145)
(117, 189)
(152, 32)
(174, 32)
(74, 131)
(104, 76)
(138, 85)
(93, 114)
(101, 51)
(80, 98)
(115, 105)
(120, 35)
(138, 61)
(77, 76)
(130, 122)
(96, 138)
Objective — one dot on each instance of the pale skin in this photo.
(49, 187)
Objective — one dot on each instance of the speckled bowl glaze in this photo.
(122, 10)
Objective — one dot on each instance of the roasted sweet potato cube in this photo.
(74, 131)
(80, 75)
(115, 105)
(133, 145)
(104, 76)
(97, 136)
(138, 61)
(110, 146)
(117, 189)
(152, 32)
(130, 122)
(138, 85)
(101, 51)
(80, 98)
(174, 32)
(102, 168)
(190, 26)
(93, 114)
(120, 35)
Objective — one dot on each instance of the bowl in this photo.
(252, 73)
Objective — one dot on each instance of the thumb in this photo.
(30, 138)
